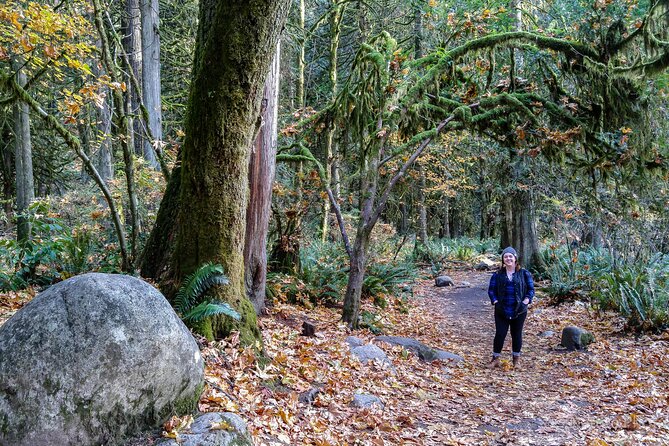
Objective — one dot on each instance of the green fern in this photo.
(208, 309)
(188, 301)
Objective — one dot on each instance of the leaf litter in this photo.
(616, 393)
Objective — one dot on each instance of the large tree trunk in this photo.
(151, 78)
(261, 177)
(25, 186)
(235, 45)
(524, 233)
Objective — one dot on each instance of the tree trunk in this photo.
(105, 158)
(124, 130)
(422, 209)
(234, 47)
(300, 61)
(25, 186)
(524, 232)
(446, 222)
(132, 46)
(7, 161)
(261, 177)
(151, 78)
(356, 276)
(335, 30)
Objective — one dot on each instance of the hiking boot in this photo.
(495, 362)
(516, 361)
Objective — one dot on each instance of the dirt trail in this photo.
(555, 398)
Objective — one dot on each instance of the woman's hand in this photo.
(526, 301)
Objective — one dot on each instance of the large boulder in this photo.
(93, 359)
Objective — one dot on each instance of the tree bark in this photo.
(300, 61)
(7, 162)
(336, 17)
(446, 222)
(131, 27)
(261, 178)
(422, 209)
(25, 185)
(234, 47)
(151, 78)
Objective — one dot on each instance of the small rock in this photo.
(547, 334)
(369, 352)
(353, 342)
(443, 281)
(464, 285)
(574, 338)
(213, 429)
(309, 396)
(308, 329)
(424, 352)
(361, 400)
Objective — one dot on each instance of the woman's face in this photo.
(509, 259)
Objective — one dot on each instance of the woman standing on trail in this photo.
(511, 290)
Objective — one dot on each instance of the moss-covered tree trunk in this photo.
(235, 44)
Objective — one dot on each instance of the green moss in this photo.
(187, 404)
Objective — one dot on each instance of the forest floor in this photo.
(616, 393)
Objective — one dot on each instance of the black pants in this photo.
(502, 325)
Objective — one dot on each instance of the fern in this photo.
(196, 284)
(207, 309)
(188, 301)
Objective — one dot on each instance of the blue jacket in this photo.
(510, 294)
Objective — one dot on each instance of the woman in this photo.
(511, 290)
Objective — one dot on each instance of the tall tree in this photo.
(131, 27)
(235, 45)
(23, 159)
(261, 177)
(151, 78)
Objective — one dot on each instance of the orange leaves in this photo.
(174, 425)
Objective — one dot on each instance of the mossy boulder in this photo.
(575, 338)
(93, 359)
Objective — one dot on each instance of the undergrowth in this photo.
(636, 288)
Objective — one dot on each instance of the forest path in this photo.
(555, 397)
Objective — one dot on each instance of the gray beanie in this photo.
(510, 250)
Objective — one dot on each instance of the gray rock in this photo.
(574, 338)
(370, 352)
(464, 284)
(353, 342)
(547, 334)
(93, 359)
(361, 400)
(486, 264)
(231, 431)
(424, 352)
(309, 396)
(443, 281)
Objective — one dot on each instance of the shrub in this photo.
(638, 290)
